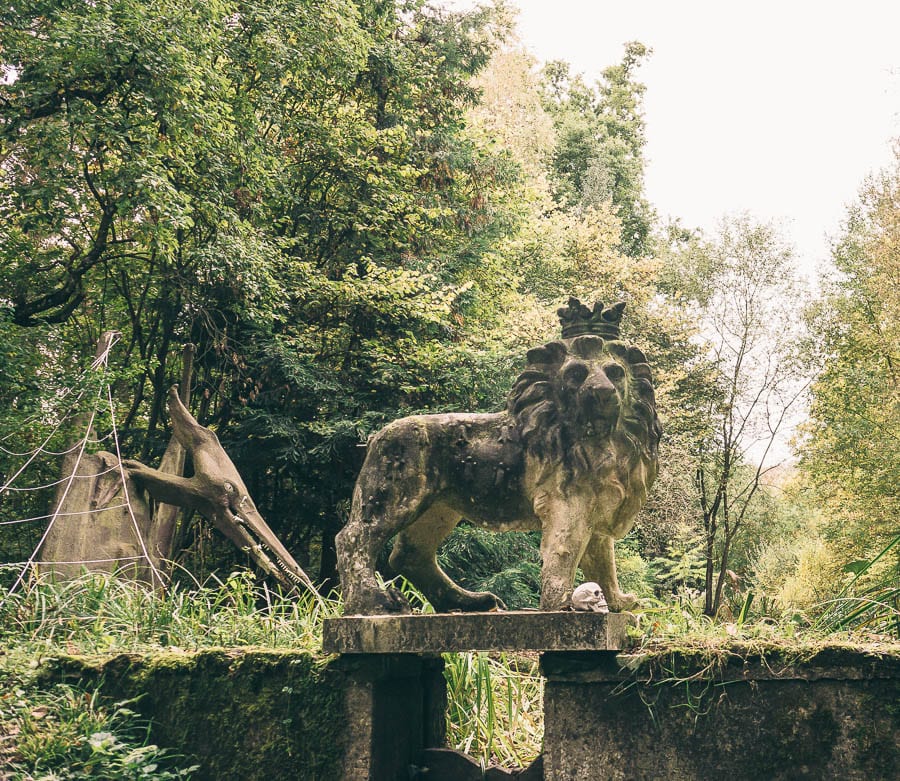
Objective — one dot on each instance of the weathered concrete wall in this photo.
(240, 715)
(268, 716)
(835, 714)
(252, 715)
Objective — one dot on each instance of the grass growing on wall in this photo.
(495, 702)
(495, 710)
(60, 732)
(66, 734)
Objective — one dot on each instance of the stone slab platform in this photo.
(514, 630)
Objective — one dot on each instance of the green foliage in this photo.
(871, 599)
(66, 734)
(495, 708)
(289, 185)
(684, 564)
(507, 564)
(850, 451)
(850, 445)
(598, 155)
(101, 613)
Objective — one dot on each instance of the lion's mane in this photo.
(552, 429)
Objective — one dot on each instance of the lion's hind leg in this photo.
(358, 546)
(415, 556)
(392, 493)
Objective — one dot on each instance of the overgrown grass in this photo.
(63, 733)
(495, 701)
(754, 628)
(495, 707)
(100, 613)
(871, 599)
(66, 734)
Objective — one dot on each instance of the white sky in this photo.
(777, 108)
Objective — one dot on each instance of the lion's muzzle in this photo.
(598, 398)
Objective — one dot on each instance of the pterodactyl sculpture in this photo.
(217, 492)
(104, 523)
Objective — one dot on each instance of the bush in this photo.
(507, 564)
(65, 734)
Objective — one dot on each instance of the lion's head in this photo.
(579, 393)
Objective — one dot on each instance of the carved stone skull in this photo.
(589, 597)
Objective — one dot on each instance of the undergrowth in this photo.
(495, 710)
(681, 621)
(67, 734)
(495, 707)
(98, 613)
(63, 733)
(871, 598)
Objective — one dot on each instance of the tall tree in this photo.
(745, 294)
(599, 154)
(288, 184)
(850, 451)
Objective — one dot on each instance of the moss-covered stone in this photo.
(240, 714)
(516, 630)
(743, 713)
(740, 711)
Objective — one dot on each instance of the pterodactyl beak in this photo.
(242, 523)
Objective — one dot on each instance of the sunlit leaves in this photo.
(852, 439)
(598, 156)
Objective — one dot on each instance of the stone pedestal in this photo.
(396, 697)
(395, 706)
(513, 630)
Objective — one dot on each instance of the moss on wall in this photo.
(743, 713)
(240, 714)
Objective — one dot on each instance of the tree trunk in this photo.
(723, 567)
(168, 517)
(707, 596)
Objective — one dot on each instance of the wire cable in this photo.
(137, 528)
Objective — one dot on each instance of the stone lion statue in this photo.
(572, 455)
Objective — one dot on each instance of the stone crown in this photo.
(576, 319)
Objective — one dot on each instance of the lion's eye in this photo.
(614, 371)
(575, 373)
